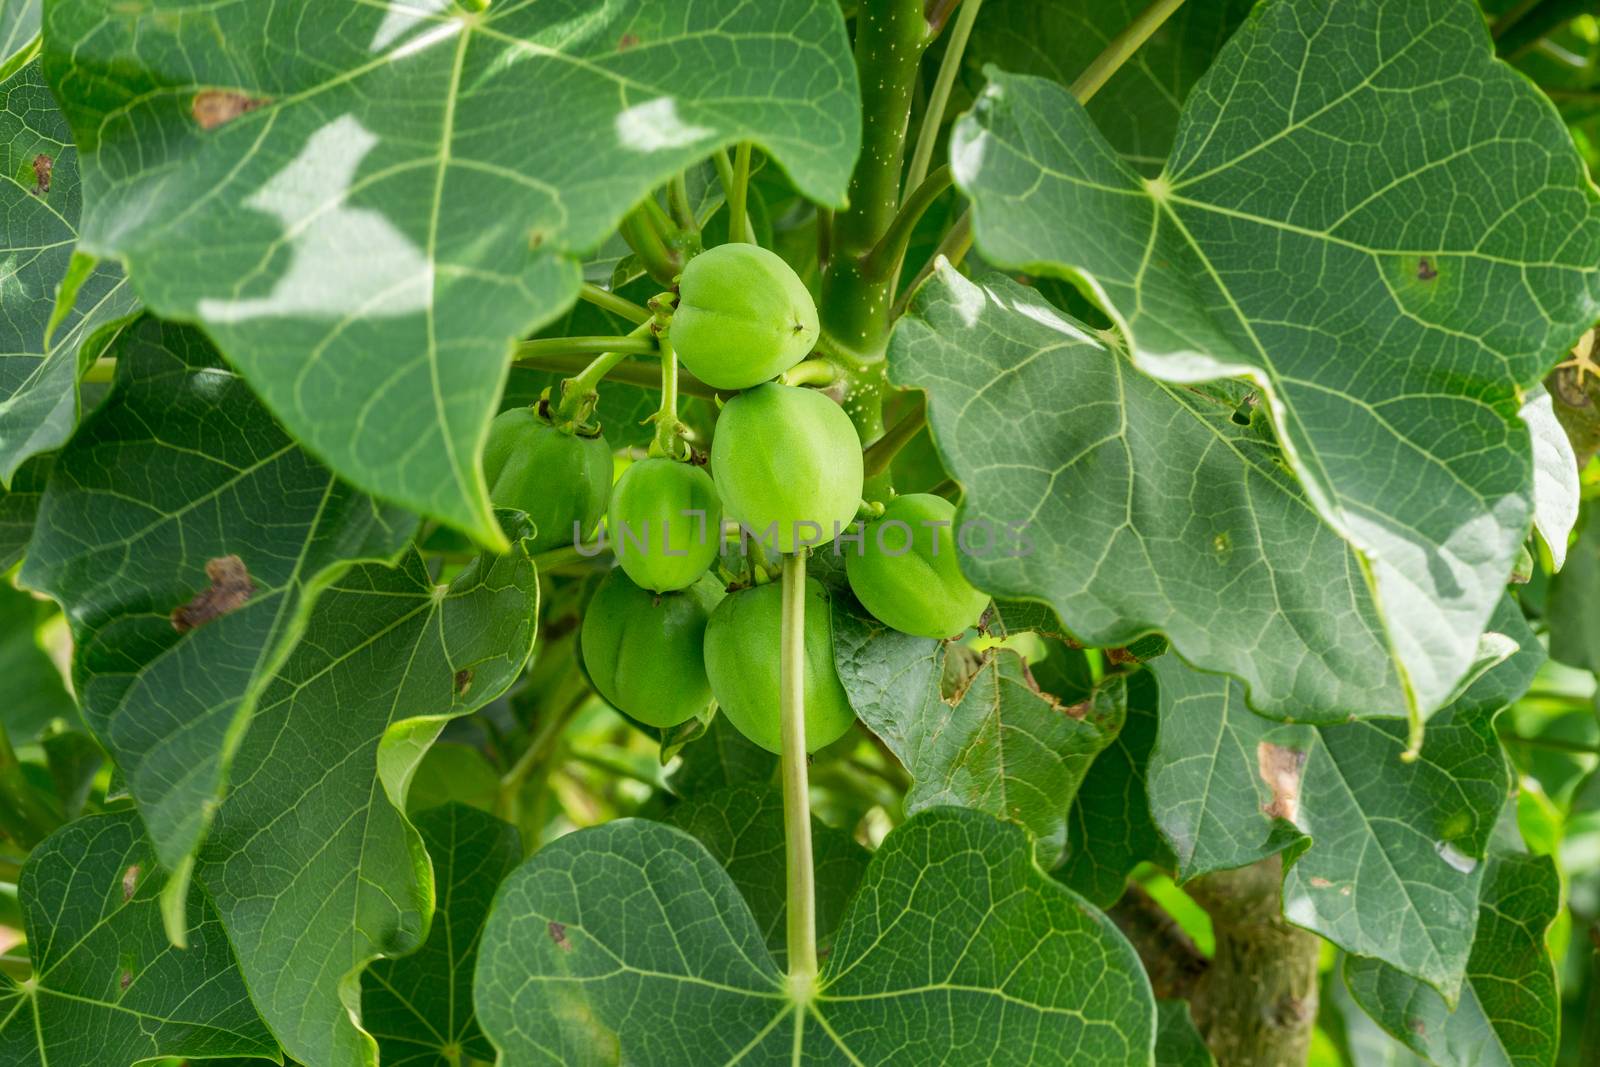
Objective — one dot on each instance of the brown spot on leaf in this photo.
(1121, 656)
(558, 934)
(627, 41)
(463, 682)
(1079, 710)
(535, 239)
(213, 107)
(1280, 768)
(1425, 271)
(43, 167)
(1321, 883)
(130, 882)
(125, 980)
(230, 588)
(1417, 1026)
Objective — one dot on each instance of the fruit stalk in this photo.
(578, 393)
(620, 306)
(802, 901)
(669, 431)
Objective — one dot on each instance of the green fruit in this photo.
(743, 317)
(783, 457)
(644, 652)
(665, 523)
(558, 479)
(742, 642)
(906, 572)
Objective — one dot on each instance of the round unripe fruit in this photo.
(906, 573)
(784, 457)
(644, 652)
(556, 478)
(665, 523)
(743, 317)
(742, 646)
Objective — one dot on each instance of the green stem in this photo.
(738, 191)
(725, 175)
(636, 343)
(810, 372)
(883, 261)
(954, 247)
(579, 392)
(890, 38)
(1122, 48)
(649, 244)
(933, 117)
(668, 440)
(802, 901)
(678, 201)
(619, 306)
(627, 373)
(881, 452)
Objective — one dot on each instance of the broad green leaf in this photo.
(1510, 1007)
(419, 1007)
(1385, 856)
(313, 867)
(107, 987)
(627, 943)
(1555, 474)
(1178, 1043)
(1384, 228)
(367, 204)
(1110, 829)
(1145, 505)
(742, 828)
(56, 308)
(35, 693)
(186, 535)
(1574, 622)
(997, 744)
(1137, 110)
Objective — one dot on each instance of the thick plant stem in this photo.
(650, 245)
(933, 116)
(738, 193)
(890, 38)
(802, 898)
(1122, 48)
(1257, 1001)
(619, 306)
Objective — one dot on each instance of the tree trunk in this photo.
(1257, 1001)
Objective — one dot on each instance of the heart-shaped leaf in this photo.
(107, 987)
(366, 228)
(312, 865)
(627, 943)
(1510, 1009)
(186, 535)
(419, 1007)
(1342, 222)
(1140, 505)
(56, 308)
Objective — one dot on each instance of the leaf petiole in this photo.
(801, 898)
(619, 306)
(578, 393)
(933, 115)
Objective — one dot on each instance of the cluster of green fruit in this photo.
(661, 637)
